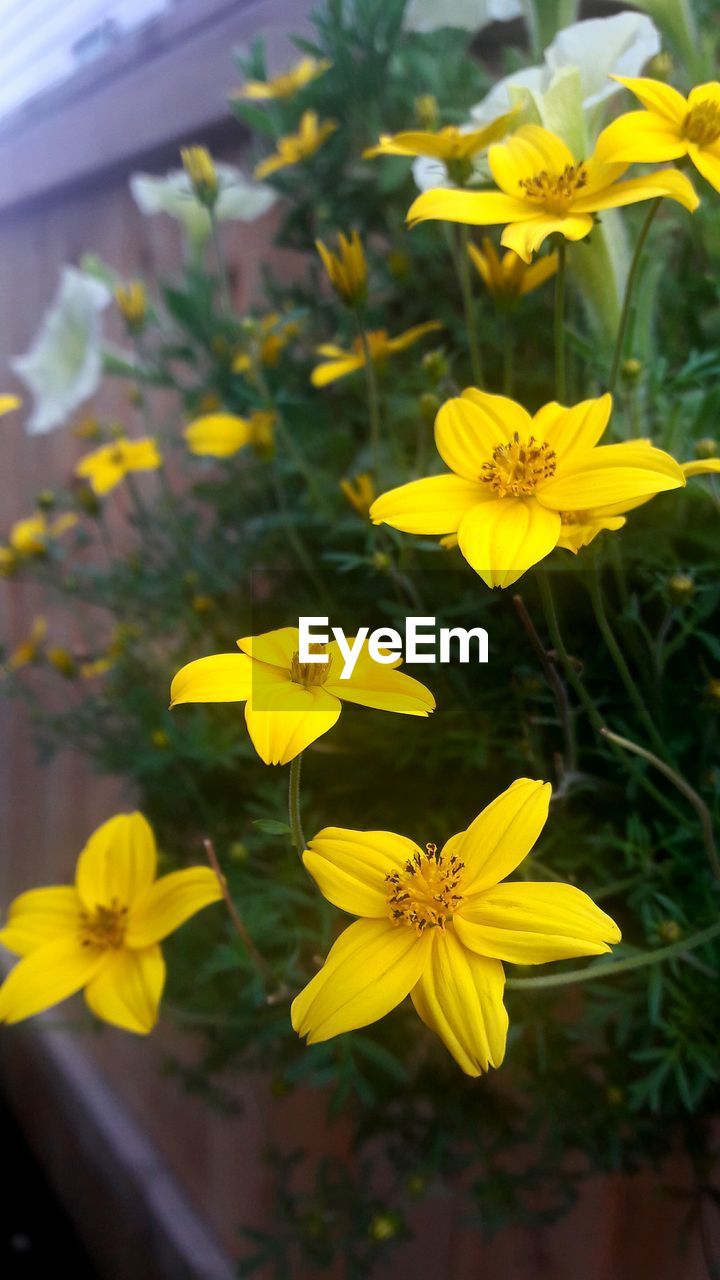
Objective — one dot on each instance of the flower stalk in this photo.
(294, 813)
(628, 295)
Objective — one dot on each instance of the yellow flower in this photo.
(273, 335)
(512, 475)
(289, 704)
(102, 933)
(131, 300)
(296, 147)
(340, 362)
(285, 85)
(509, 278)
(543, 189)
(107, 466)
(671, 127)
(346, 269)
(220, 435)
(454, 146)
(30, 536)
(436, 925)
(62, 660)
(8, 403)
(198, 165)
(28, 651)
(360, 492)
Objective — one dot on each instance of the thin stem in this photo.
(629, 289)
(683, 786)
(465, 282)
(373, 404)
(508, 374)
(614, 967)
(617, 656)
(562, 702)
(222, 269)
(237, 921)
(294, 814)
(559, 325)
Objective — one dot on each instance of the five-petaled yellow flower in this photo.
(296, 147)
(220, 435)
(286, 84)
(544, 189)
(289, 703)
(454, 146)
(102, 933)
(508, 278)
(347, 268)
(513, 476)
(339, 362)
(671, 127)
(107, 466)
(436, 925)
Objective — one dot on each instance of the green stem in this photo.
(617, 656)
(294, 815)
(614, 967)
(629, 290)
(373, 404)
(559, 325)
(683, 786)
(222, 269)
(508, 374)
(465, 282)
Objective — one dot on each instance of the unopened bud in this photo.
(631, 369)
(680, 588)
(706, 448)
(669, 931)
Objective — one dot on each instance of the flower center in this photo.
(104, 928)
(516, 468)
(377, 341)
(555, 191)
(310, 673)
(702, 124)
(425, 894)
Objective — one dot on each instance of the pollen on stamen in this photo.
(702, 124)
(427, 891)
(555, 191)
(516, 468)
(310, 673)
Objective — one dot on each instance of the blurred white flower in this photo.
(467, 15)
(62, 368)
(238, 198)
(576, 68)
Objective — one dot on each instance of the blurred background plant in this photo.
(167, 545)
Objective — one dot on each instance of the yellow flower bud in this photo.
(669, 931)
(62, 661)
(238, 852)
(660, 67)
(384, 1226)
(706, 448)
(631, 369)
(131, 300)
(199, 167)
(346, 269)
(680, 588)
(381, 561)
(160, 739)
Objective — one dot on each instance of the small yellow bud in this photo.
(660, 67)
(631, 369)
(706, 448)
(346, 268)
(63, 662)
(238, 852)
(429, 407)
(131, 301)
(680, 588)
(427, 112)
(381, 561)
(160, 739)
(436, 366)
(203, 604)
(384, 1226)
(669, 931)
(199, 167)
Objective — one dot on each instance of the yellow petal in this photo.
(531, 150)
(371, 968)
(707, 163)
(460, 997)
(663, 182)
(46, 976)
(127, 990)
(221, 677)
(169, 902)
(610, 474)
(584, 528)
(276, 648)
(503, 834)
(351, 867)
(40, 916)
(411, 336)
(640, 136)
(575, 430)
(705, 94)
(323, 374)
(703, 467)
(503, 537)
(525, 923)
(475, 208)
(656, 96)
(118, 862)
(217, 435)
(284, 719)
(538, 273)
(527, 236)
(381, 687)
(469, 427)
(436, 504)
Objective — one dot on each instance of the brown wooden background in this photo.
(63, 190)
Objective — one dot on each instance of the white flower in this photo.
(64, 363)
(576, 66)
(468, 15)
(238, 198)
